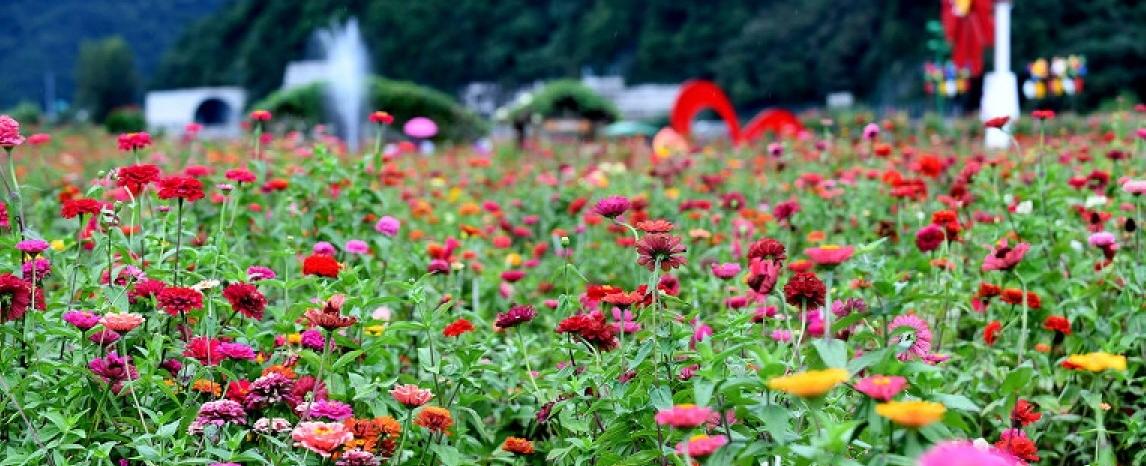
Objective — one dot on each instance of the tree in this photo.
(106, 77)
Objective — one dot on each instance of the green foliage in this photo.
(27, 113)
(403, 100)
(106, 77)
(567, 98)
(125, 120)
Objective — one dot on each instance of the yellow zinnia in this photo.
(912, 413)
(809, 384)
(1098, 362)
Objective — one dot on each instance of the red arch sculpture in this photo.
(699, 95)
(970, 27)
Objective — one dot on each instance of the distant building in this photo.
(303, 72)
(218, 109)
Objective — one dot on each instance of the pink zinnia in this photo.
(684, 416)
(699, 446)
(726, 271)
(10, 132)
(1005, 257)
(1135, 187)
(870, 131)
(357, 246)
(1103, 239)
(323, 438)
(921, 335)
(781, 335)
(965, 453)
(830, 255)
(881, 387)
(121, 322)
(612, 206)
(411, 395)
(83, 320)
(387, 225)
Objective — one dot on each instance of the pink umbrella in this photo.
(420, 127)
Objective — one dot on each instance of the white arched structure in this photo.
(218, 109)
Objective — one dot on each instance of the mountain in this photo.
(40, 38)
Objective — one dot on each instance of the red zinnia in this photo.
(458, 327)
(146, 289)
(135, 177)
(1024, 413)
(991, 332)
(805, 289)
(515, 316)
(181, 187)
(246, 299)
(997, 122)
(321, 265)
(261, 115)
(768, 248)
(240, 175)
(179, 300)
(1058, 324)
(381, 118)
(592, 328)
(15, 295)
(1016, 442)
(73, 207)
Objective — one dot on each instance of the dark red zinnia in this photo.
(664, 249)
(991, 332)
(246, 299)
(768, 248)
(15, 296)
(515, 316)
(805, 289)
(145, 289)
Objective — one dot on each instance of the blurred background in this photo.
(86, 58)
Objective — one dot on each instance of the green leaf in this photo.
(702, 391)
(448, 455)
(832, 352)
(958, 402)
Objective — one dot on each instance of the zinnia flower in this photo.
(921, 334)
(964, 453)
(809, 384)
(323, 438)
(1016, 442)
(381, 118)
(881, 387)
(10, 132)
(15, 297)
(517, 446)
(1096, 362)
(612, 206)
(458, 327)
(411, 395)
(830, 255)
(181, 187)
(114, 369)
(387, 225)
(991, 332)
(1004, 257)
(83, 320)
(515, 316)
(930, 237)
(914, 413)
(1024, 413)
(805, 290)
(684, 416)
(177, 300)
(1058, 324)
(701, 445)
(726, 271)
(434, 419)
(997, 122)
(121, 322)
(660, 248)
(246, 299)
(322, 265)
(135, 177)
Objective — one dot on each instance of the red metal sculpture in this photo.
(970, 27)
(697, 95)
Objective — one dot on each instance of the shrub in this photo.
(567, 98)
(125, 120)
(402, 99)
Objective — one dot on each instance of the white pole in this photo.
(1000, 87)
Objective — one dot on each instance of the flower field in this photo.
(860, 294)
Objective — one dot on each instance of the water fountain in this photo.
(347, 79)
